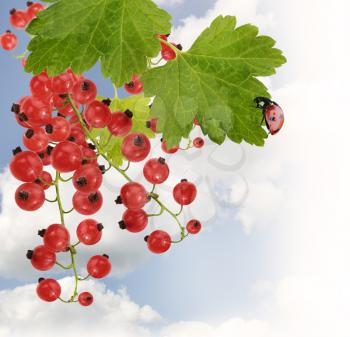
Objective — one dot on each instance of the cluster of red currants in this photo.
(58, 117)
(19, 19)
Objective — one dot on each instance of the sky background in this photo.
(273, 257)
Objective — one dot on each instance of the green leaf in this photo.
(111, 146)
(216, 82)
(76, 34)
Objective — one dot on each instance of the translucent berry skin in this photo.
(198, 142)
(8, 41)
(84, 91)
(58, 129)
(56, 238)
(171, 150)
(49, 290)
(156, 171)
(62, 84)
(45, 180)
(87, 204)
(40, 86)
(34, 9)
(19, 19)
(135, 221)
(77, 136)
(35, 139)
(26, 166)
(167, 52)
(152, 124)
(29, 197)
(158, 242)
(184, 193)
(89, 232)
(43, 258)
(85, 299)
(66, 157)
(99, 266)
(134, 87)
(120, 124)
(97, 114)
(89, 155)
(193, 226)
(87, 178)
(133, 195)
(136, 147)
(36, 110)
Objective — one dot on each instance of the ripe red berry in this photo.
(33, 9)
(62, 84)
(158, 242)
(134, 221)
(156, 171)
(37, 111)
(18, 19)
(49, 290)
(35, 139)
(120, 123)
(99, 266)
(87, 204)
(30, 196)
(133, 195)
(195, 122)
(136, 147)
(66, 157)
(89, 232)
(84, 91)
(8, 41)
(97, 114)
(152, 124)
(134, 87)
(42, 258)
(89, 156)
(171, 150)
(45, 156)
(193, 226)
(87, 178)
(184, 192)
(169, 53)
(56, 237)
(26, 166)
(45, 180)
(58, 130)
(40, 86)
(77, 136)
(198, 142)
(85, 299)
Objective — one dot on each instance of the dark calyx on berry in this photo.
(106, 256)
(99, 227)
(42, 232)
(71, 139)
(16, 150)
(179, 47)
(29, 3)
(49, 149)
(37, 180)
(29, 133)
(49, 128)
(107, 102)
(23, 195)
(85, 86)
(161, 160)
(128, 113)
(146, 238)
(122, 224)
(40, 279)
(138, 141)
(41, 155)
(93, 197)
(148, 124)
(91, 146)
(102, 169)
(22, 117)
(29, 254)
(63, 96)
(15, 108)
(13, 11)
(84, 161)
(184, 180)
(118, 201)
(130, 84)
(82, 181)
(60, 115)
(8, 31)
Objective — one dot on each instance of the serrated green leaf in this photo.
(76, 34)
(215, 81)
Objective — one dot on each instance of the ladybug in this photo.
(273, 114)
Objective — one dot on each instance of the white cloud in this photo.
(169, 2)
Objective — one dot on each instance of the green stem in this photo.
(64, 267)
(58, 197)
(65, 180)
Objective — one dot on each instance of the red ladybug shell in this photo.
(274, 118)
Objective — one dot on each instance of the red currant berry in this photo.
(169, 53)
(77, 136)
(193, 226)
(35, 139)
(84, 91)
(40, 86)
(26, 166)
(67, 109)
(29, 196)
(163, 37)
(195, 122)
(8, 41)
(156, 171)
(59, 101)
(33, 9)
(18, 19)
(120, 123)
(134, 221)
(133, 195)
(158, 242)
(85, 299)
(99, 266)
(89, 232)
(87, 178)
(198, 142)
(49, 290)
(45, 156)
(89, 156)
(136, 147)
(56, 237)
(45, 180)
(97, 114)
(152, 124)
(58, 130)
(42, 258)
(23, 62)
(37, 112)
(87, 204)
(134, 87)
(171, 150)
(185, 192)
(66, 157)
(62, 84)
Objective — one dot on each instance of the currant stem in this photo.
(64, 267)
(65, 180)
(58, 197)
